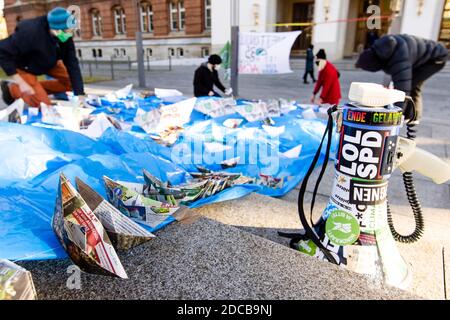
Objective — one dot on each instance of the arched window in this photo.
(119, 20)
(171, 52)
(123, 52)
(173, 16)
(116, 52)
(100, 53)
(207, 14)
(180, 52)
(181, 14)
(177, 14)
(149, 52)
(94, 53)
(205, 52)
(96, 21)
(146, 12)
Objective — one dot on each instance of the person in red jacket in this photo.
(328, 80)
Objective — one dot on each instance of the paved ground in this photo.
(260, 216)
(209, 260)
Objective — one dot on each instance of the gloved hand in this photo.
(229, 91)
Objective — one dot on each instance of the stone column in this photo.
(330, 36)
(423, 21)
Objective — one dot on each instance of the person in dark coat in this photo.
(41, 46)
(309, 68)
(206, 77)
(328, 81)
(409, 60)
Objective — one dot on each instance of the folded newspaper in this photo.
(204, 184)
(16, 283)
(123, 232)
(82, 235)
(257, 111)
(13, 113)
(129, 198)
(216, 107)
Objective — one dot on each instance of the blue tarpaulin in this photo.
(32, 157)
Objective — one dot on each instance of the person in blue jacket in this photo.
(409, 60)
(309, 68)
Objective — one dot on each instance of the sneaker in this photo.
(6, 94)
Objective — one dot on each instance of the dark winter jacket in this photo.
(34, 49)
(400, 56)
(309, 60)
(204, 81)
(329, 82)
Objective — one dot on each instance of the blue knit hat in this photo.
(60, 19)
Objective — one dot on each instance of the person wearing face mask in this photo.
(41, 46)
(328, 81)
(206, 77)
(409, 60)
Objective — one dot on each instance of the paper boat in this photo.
(16, 283)
(129, 199)
(123, 232)
(82, 235)
(13, 113)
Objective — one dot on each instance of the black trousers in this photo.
(420, 75)
(305, 76)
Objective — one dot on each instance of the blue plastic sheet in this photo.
(32, 158)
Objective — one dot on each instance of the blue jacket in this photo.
(401, 56)
(309, 60)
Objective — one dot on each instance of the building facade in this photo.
(176, 28)
(339, 25)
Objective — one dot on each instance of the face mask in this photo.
(321, 64)
(63, 36)
(217, 67)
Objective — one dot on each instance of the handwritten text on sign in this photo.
(265, 53)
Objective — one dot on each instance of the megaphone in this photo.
(356, 230)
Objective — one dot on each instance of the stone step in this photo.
(206, 259)
(264, 216)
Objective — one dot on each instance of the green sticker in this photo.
(342, 228)
(307, 247)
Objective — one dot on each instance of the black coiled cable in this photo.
(408, 180)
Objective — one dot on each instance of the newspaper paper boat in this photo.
(204, 184)
(13, 113)
(130, 200)
(16, 283)
(82, 235)
(123, 232)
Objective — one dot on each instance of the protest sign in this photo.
(265, 53)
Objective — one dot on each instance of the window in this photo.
(100, 53)
(123, 52)
(119, 20)
(146, 17)
(94, 53)
(149, 52)
(116, 52)
(96, 21)
(79, 53)
(173, 16)
(181, 15)
(180, 52)
(171, 52)
(207, 14)
(205, 52)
